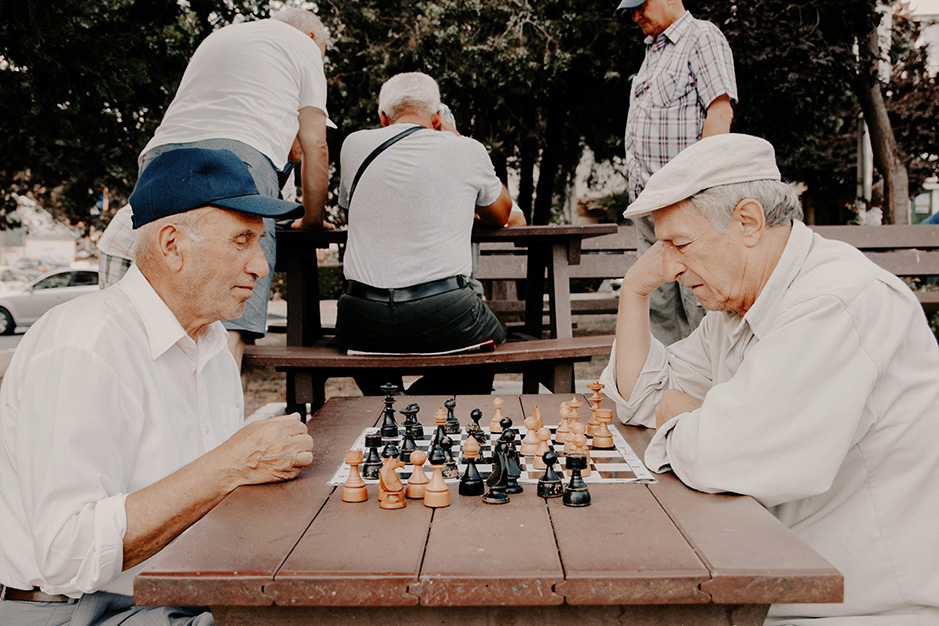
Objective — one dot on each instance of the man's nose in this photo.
(672, 265)
(257, 264)
(637, 13)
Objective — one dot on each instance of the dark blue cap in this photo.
(191, 178)
(628, 4)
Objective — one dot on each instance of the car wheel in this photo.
(7, 325)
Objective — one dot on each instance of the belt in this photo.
(33, 595)
(404, 294)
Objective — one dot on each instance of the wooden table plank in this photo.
(748, 551)
(234, 550)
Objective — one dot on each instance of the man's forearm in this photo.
(719, 117)
(633, 338)
(314, 176)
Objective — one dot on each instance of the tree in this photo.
(83, 85)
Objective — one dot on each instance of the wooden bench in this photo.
(908, 251)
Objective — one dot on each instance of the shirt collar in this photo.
(163, 329)
(675, 31)
(787, 268)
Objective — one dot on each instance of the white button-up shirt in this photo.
(822, 402)
(105, 395)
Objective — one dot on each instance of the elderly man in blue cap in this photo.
(812, 384)
(685, 90)
(121, 413)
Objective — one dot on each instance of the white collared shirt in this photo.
(822, 403)
(105, 395)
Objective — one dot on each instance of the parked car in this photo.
(13, 279)
(25, 306)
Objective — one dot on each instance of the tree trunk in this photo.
(886, 158)
(548, 168)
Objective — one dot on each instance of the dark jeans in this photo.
(447, 321)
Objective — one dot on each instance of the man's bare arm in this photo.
(262, 452)
(314, 169)
(497, 213)
(719, 116)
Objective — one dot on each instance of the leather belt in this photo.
(403, 294)
(33, 595)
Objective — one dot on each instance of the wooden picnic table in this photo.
(551, 250)
(294, 553)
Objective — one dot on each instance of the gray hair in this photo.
(304, 21)
(146, 243)
(411, 91)
(780, 201)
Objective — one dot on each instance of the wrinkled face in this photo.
(222, 262)
(712, 264)
(653, 17)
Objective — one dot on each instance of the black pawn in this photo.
(408, 445)
(499, 478)
(477, 430)
(549, 485)
(410, 419)
(471, 483)
(452, 427)
(372, 463)
(508, 433)
(450, 470)
(391, 449)
(576, 494)
(511, 459)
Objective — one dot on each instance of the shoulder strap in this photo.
(375, 153)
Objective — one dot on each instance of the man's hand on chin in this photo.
(674, 403)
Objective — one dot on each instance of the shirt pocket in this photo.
(670, 88)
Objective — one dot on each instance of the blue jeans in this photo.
(101, 609)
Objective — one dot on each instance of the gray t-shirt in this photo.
(412, 212)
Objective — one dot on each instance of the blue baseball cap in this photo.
(628, 4)
(191, 178)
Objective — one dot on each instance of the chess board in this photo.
(619, 465)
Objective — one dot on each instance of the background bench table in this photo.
(294, 553)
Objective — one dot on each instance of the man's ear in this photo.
(169, 241)
(435, 121)
(385, 120)
(749, 215)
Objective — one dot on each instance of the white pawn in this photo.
(544, 435)
(530, 440)
(563, 429)
(495, 425)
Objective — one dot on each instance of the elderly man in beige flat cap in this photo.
(812, 384)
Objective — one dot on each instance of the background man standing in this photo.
(684, 91)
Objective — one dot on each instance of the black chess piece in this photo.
(450, 469)
(408, 445)
(410, 419)
(471, 483)
(452, 426)
(389, 427)
(508, 433)
(576, 494)
(499, 478)
(391, 449)
(549, 485)
(371, 466)
(478, 432)
(511, 458)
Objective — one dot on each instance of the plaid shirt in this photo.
(685, 69)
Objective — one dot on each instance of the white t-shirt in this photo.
(247, 82)
(822, 403)
(105, 395)
(412, 212)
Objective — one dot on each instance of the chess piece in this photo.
(563, 429)
(354, 490)
(576, 494)
(410, 420)
(436, 492)
(549, 485)
(499, 478)
(440, 421)
(389, 427)
(578, 442)
(408, 445)
(536, 413)
(530, 440)
(450, 470)
(494, 424)
(511, 457)
(452, 425)
(372, 464)
(544, 435)
(573, 404)
(418, 480)
(477, 430)
(596, 398)
(506, 424)
(391, 449)
(471, 483)
(391, 491)
(603, 439)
